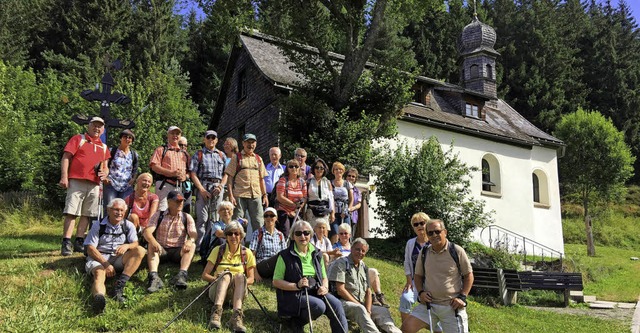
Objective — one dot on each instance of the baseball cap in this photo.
(173, 128)
(248, 137)
(210, 132)
(175, 195)
(98, 119)
(272, 210)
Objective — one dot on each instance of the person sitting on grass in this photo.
(322, 242)
(349, 276)
(112, 247)
(171, 235)
(266, 243)
(214, 236)
(343, 245)
(142, 202)
(233, 270)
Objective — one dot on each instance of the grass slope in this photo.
(44, 292)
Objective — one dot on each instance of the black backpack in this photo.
(209, 242)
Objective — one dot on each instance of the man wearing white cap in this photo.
(170, 165)
(82, 168)
(207, 170)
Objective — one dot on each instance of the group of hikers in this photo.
(301, 240)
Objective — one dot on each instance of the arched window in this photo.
(536, 188)
(491, 175)
(489, 72)
(475, 71)
(540, 184)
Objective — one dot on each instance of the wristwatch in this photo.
(463, 298)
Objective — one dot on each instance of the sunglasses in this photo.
(211, 137)
(234, 233)
(182, 145)
(419, 224)
(318, 167)
(343, 233)
(301, 156)
(300, 233)
(293, 166)
(433, 232)
(269, 215)
(351, 176)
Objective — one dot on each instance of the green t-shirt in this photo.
(307, 265)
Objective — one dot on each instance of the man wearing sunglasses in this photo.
(442, 283)
(207, 170)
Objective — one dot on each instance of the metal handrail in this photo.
(511, 242)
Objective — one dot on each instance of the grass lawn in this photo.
(44, 292)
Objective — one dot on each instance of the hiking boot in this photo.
(99, 303)
(155, 284)
(235, 323)
(118, 292)
(216, 314)
(381, 300)
(180, 280)
(78, 245)
(67, 248)
(374, 301)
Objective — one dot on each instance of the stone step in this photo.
(598, 305)
(589, 298)
(577, 296)
(627, 305)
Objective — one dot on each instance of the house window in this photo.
(418, 96)
(540, 183)
(536, 188)
(491, 184)
(475, 71)
(489, 71)
(242, 129)
(471, 110)
(242, 85)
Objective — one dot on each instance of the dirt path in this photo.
(624, 315)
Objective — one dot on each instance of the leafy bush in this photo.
(426, 179)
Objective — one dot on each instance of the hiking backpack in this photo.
(243, 258)
(452, 251)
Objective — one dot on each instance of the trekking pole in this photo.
(430, 321)
(190, 304)
(334, 314)
(262, 308)
(306, 293)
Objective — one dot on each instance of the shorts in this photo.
(163, 193)
(172, 254)
(82, 198)
(115, 261)
(444, 317)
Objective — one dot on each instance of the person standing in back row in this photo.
(169, 162)
(80, 177)
(207, 169)
(247, 190)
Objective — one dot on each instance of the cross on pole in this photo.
(106, 98)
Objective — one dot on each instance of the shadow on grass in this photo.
(27, 245)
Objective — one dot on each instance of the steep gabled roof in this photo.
(502, 123)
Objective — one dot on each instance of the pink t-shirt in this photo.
(143, 212)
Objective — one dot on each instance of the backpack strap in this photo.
(219, 257)
(113, 153)
(452, 252)
(260, 236)
(123, 228)
(243, 258)
(160, 218)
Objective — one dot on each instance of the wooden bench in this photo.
(506, 281)
(556, 281)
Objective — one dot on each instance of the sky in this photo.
(634, 5)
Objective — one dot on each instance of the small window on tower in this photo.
(475, 71)
(471, 110)
(489, 72)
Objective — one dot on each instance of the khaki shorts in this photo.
(82, 198)
(115, 261)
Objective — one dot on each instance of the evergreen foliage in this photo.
(426, 179)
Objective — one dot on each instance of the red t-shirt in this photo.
(85, 157)
(144, 212)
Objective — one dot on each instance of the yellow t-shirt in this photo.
(231, 261)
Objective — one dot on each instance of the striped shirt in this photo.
(294, 192)
(174, 159)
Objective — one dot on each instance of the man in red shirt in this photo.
(83, 155)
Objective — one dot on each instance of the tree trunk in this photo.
(591, 249)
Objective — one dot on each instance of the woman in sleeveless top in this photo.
(142, 203)
(343, 197)
(320, 204)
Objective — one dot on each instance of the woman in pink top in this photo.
(142, 203)
(292, 192)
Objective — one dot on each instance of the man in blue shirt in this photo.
(112, 246)
(274, 171)
(266, 243)
(207, 168)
